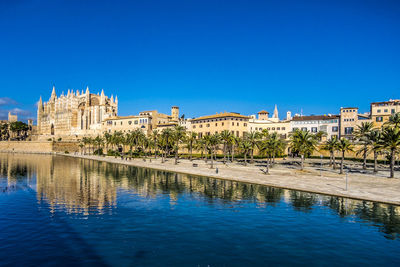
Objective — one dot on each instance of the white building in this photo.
(325, 123)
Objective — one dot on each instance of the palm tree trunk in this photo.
(191, 151)
(212, 160)
(392, 163)
(330, 159)
(365, 158)
(341, 163)
(233, 152)
(224, 152)
(302, 162)
(252, 156)
(245, 158)
(176, 156)
(375, 161)
(334, 160)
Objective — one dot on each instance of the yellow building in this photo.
(381, 111)
(127, 124)
(236, 123)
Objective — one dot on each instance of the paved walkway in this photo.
(360, 186)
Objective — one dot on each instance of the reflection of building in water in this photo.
(75, 186)
(84, 186)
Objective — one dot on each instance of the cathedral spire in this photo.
(87, 90)
(102, 98)
(53, 93)
(112, 99)
(116, 99)
(275, 112)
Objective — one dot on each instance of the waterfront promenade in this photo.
(360, 186)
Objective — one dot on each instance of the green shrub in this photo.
(98, 152)
(66, 152)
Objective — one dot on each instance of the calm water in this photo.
(63, 211)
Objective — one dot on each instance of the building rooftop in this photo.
(315, 117)
(222, 115)
(124, 117)
(263, 112)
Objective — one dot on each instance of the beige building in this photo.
(264, 122)
(381, 111)
(349, 120)
(127, 124)
(12, 118)
(74, 114)
(236, 123)
(160, 119)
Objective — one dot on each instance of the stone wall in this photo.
(38, 146)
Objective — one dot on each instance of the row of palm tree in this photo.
(171, 141)
(379, 141)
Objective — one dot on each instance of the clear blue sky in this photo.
(204, 56)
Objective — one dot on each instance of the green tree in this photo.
(178, 136)
(226, 138)
(191, 139)
(390, 140)
(245, 147)
(304, 143)
(253, 138)
(213, 141)
(344, 146)
(394, 120)
(331, 146)
(361, 133)
(374, 139)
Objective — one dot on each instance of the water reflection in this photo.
(87, 187)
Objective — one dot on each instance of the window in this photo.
(121, 122)
(136, 121)
(335, 129)
(283, 128)
(379, 111)
(314, 129)
(379, 119)
(278, 128)
(393, 111)
(129, 122)
(273, 128)
(245, 124)
(304, 129)
(237, 124)
(201, 125)
(208, 125)
(233, 124)
(385, 110)
(222, 124)
(295, 129)
(216, 124)
(194, 126)
(348, 130)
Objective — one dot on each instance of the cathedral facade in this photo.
(75, 114)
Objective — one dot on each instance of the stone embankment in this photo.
(359, 185)
(46, 147)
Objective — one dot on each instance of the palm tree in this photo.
(191, 142)
(245, 146)
(344, 146)
(253, 138)
(272, 146)
(235, 142)
(107, 139)
(81, 145)
(213, 141)
(178, 136)
(390, 140)
(166, 141)
(394, 120)
(226, 138)
(361, 133)
(98, 141)
(154, 137)
(374, 139)
(304, 143)
(331, 146)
